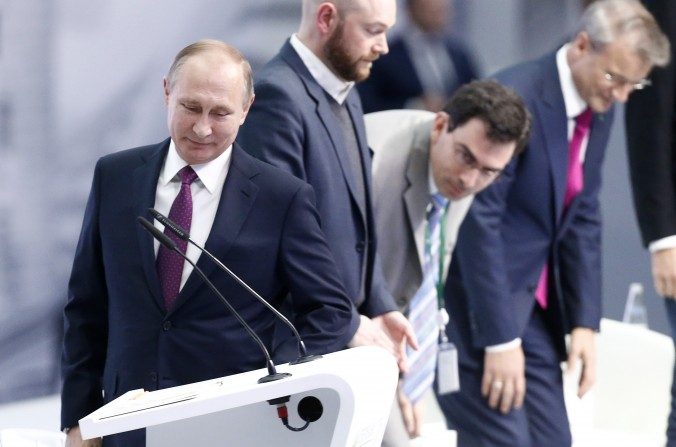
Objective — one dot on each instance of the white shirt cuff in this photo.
(662, 244)
(502, 347)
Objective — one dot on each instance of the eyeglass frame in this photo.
(617, 79)
(620, 80)
(465, 157)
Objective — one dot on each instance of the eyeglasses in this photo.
(620, 81)
(467, 160)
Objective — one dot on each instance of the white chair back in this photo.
(631, 398)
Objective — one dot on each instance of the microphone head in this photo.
(168, 223)
(157, 234)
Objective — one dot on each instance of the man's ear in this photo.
(581, 44)
(165, 85)
(442, 122)
(327, 18)
(246, 109)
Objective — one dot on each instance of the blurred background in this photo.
(83, 78)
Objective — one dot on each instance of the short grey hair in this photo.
(211, 45)
(606, 20)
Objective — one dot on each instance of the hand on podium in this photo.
(391, 331)
(74, 439)
(400, 332)
(370, 334)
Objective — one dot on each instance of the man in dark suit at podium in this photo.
(137, 316)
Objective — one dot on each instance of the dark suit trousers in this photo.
(541, 421)
(134, 438)
(671, 429)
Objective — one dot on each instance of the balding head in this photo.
(212, 48)
(606, 21)
(347, 35)
(617, 44)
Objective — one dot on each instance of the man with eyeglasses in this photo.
(445, 157)
(527, 266)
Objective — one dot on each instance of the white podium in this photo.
(355, 387)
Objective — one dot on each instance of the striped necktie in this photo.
(424, 308)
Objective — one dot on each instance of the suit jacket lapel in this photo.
(417, 194)
(327, 117)
(237, 198)
(357, 116)
(552, 111)
(145, 184)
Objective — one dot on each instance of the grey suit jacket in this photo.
(401, 193)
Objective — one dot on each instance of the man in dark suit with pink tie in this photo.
(527, 266)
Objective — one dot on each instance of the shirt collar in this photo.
(334, 86)
(432, 185)
(208, 173)
(571, 97)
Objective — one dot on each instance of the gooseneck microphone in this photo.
(171, 245)
(184, 235)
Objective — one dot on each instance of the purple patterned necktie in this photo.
(169, 264)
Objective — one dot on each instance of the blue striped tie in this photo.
(423, 309)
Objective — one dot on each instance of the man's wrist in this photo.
(662, 244)
(502, 347)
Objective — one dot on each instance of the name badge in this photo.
(448, 379)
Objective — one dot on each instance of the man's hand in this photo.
(400, 332)
(504, 379)
(411, 414)
(583, 347)
(370, 334)
(664, 272)
(74, 439)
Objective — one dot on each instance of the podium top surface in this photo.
(353, 372)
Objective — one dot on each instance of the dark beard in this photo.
(339, 59)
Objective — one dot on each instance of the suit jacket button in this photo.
(360, 246)
(167, 325)
(153, 376)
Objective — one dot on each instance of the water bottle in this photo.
(635, 311)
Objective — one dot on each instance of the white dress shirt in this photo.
(571, 97)
(206, 195)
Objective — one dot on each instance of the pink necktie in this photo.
(573, 187)
(169, 264)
